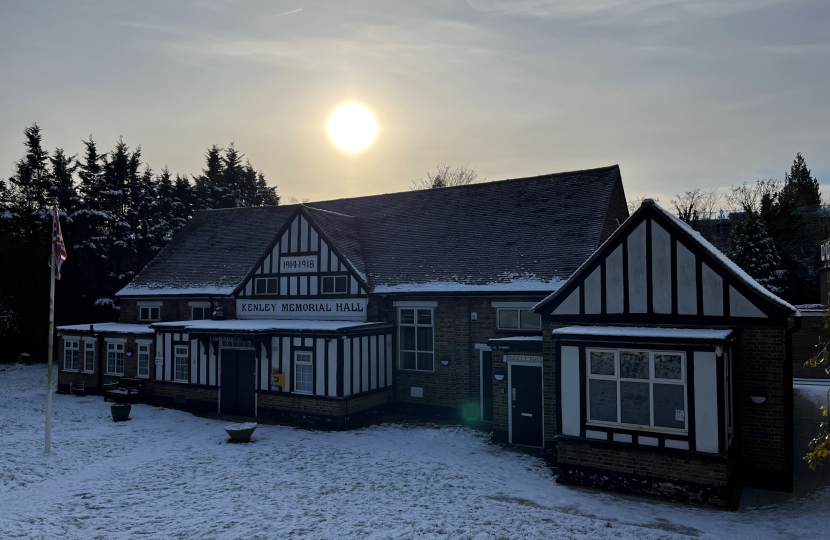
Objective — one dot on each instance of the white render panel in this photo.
(275, 356)
(264, 374)
(354, 288)
(335, 262)
(298, 342)
(712, 291)
(647, 441)
(364, 363)
(177, 337)
(248, 287)
(389, 365)
(303, 234)
(283, 285)
(660, 269)
(213, 366)
(686, 281)
(203, 364)
(286, 361)
(706, 402)
(303, 285)
(591, 434)
(373, 366)
(593, 292)
(309, 342)
(295, 233)
(622, 437)
(320, 368)
(614, 296)
(312, 285)
(284, 243)
(637, 287)
(184, 337)
(266, 264)
(258, 269)
(194, 361)
(275, 255)
(332, 362)
(570, 306)
(381, 361)
(356, 366)
(313, 242)
(570, 390)
(168, 358)
(324, 256)
(292, 288)
(680, 445)
(739, 306)
(159, 353)
(347, 367)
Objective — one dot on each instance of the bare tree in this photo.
(446, 175)
(697, 204)
(293, 200)
(636, 202)
(748, 197)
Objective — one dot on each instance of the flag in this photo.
(58, 248)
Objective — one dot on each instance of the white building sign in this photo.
(511, 358)
(303, 263)
(352, 309)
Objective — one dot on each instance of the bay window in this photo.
(416, 339)
(637, 389)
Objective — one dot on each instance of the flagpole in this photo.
(49, 357)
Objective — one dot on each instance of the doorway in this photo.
(237, 383)
(526, 427)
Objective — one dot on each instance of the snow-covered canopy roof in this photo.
(247, 325)
(644, 332)
(109, 328)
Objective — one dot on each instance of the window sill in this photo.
(185, 381)
(70, 370)
(89, 372)
(642, 429)
(142, 376)
(114, 374)
(303, 392)
(416, 370)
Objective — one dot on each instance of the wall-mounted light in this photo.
(498, 374)
(758, 395)
(445, 360)
(129, 351)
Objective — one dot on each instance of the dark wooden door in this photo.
(526, 405)
(487, 386)
(228, 381)
(246, 384)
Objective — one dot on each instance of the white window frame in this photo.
(149, 313)
(139, 344)
(651, 381)
(334, 290)
(89, 346)
(76, 348)
(304, 363)
(415, 309)
(177, 357)
(518, 311)
(115, 351)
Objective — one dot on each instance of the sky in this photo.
(682, 94)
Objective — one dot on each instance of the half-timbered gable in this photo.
(655, 269)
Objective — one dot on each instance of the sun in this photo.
(352, 127)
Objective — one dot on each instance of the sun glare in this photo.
(352, 127)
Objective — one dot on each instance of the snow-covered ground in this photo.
(169, 474)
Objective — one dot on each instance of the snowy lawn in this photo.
(169, 474)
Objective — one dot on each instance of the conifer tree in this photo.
(233, 179)
(184, 202)
(209, 183)
(63, 190)
(801, 190)
(753, 250)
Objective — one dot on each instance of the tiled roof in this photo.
(526, 231)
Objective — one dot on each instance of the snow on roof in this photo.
(161, 289)
(810, 306)
(723, 259)
(517, 338)
(644, 332)
(240, 325)
(517, 284)
(110, 327)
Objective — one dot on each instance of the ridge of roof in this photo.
(325, 211)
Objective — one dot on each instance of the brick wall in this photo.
(172, 309)
(333, 413)
(804, 347)
(191, 397)
(91, 380)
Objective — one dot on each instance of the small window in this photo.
(181, 364)
(89, 357)
(236, 343)
(267, 285)
(143, 360)
(335, 284)
(149, 313)
(200, 313)
(416, 339)
(115, 358)
(518, 319)
(70, 355)
(303, 372)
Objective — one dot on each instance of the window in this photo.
(89, 356)
(637, 388)
(335, 284)
(303, 372)
(149, 313)
(416, 342)
(518, 319)
(236, 343)
(70, 355)
(269, 285)
(200, 313)
(181, 364)
(143, 360)
(115, 358)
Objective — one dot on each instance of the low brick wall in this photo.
(189, 397)
(681, 476)
(324, 412)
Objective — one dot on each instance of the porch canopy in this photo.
(107, 328)
(649, 334)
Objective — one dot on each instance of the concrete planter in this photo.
(120, 411)
(241, 433)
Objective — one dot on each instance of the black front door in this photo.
(238, 382)
(526, 405)
(487, 386)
